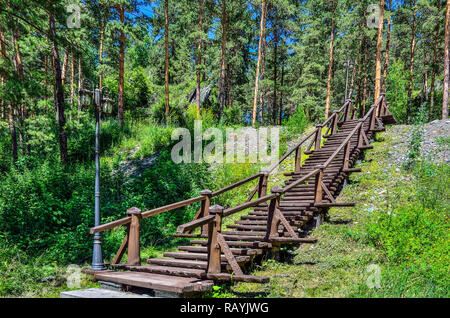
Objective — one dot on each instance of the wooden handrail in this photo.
(247, 205)
(195, 223)
(146, 214)
(237, 184)
(290, 151)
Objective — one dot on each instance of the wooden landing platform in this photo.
(172, 284)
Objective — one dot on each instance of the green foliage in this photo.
(415, 144)
(297, 122)
(397, 90)
(413, 235)
(25, 275)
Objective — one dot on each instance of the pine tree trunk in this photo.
(330, 62)
(411, 61)
(280, 115)
(199, 52)
(378, 55)
(121, 10)
(72, 77)
(2, 101)
(258, 64)
(100, 57)
(45, 77)
(166, 39)
(355, 65)
(446, 63)
(263, 66)
(364, 97)
(386, 55)
(59, 93)
(9, 110)
(434, 68)
(80, 86)
(22, 110)
(275, 69)
(64, 67)
(223, 60)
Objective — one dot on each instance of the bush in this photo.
(414, 236)
(297, 122)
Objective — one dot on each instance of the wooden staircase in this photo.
(269, 222)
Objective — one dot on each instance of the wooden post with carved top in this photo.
(134, 251)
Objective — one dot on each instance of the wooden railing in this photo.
(210, 218)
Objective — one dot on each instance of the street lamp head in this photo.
(107, 106)
(85, 99)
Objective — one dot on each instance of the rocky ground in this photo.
(436, 141)
(435, 144)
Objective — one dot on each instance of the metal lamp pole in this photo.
(97, 256)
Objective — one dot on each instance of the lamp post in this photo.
(348, 64)
(105, 105)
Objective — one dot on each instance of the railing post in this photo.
(262, 186)
(318, 185)
(360, 133)
(347, 110)
(335, 121)
(318, 137)
(298, 158)
(372, 120)
(215, 227)
(346, 155)
(272, 220)
(380, 105)
(354, 111)
(134, 251)
(205, 208)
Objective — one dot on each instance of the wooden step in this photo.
(247, 227)
(174, 284)
(202, 256)
(178, 263)
(263, 245)
(252, 222)
(235, 251)
(166, 270)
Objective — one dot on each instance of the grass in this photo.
(28, 276)
(443, 141)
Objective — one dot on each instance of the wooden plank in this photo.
(167, 270)
(237, 184)
(229, 256)
(285, 223)
(121, 251)
(240, 244)
(194, 224)
(156, 281)
(235, 251)
(178, 263)
(328, 193)
(200, 256)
